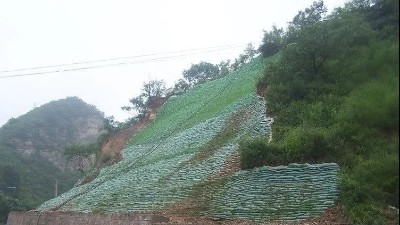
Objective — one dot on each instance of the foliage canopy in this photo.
(334, 94)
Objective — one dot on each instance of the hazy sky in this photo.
(47, 32)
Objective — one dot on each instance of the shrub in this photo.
(256, 153)
(105, 158)
(371, 186)
(375, 105)
(306, 144)
(380, 178)
(8, 204)
(365, 214)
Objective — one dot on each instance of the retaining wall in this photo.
(286, 193)
(74, 218)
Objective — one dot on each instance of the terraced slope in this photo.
(179, 158)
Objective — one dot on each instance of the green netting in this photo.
(155, 175)
(183, 148)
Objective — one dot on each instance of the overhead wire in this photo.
(156, 59)
(121, 58)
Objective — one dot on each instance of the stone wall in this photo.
(74, 218)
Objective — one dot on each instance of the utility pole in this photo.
(56, 188)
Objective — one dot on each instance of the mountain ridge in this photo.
(31, 148)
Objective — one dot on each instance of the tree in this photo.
(224, 68)
(250, 51)
(248, 54)
(200, 72)
(311, 37)
(110, 124)
(8, 204)
(382, 15)
(138, 105)
(151, 91)
(180, 87)
(272, 42)
(310, 16)
(314, 38)
(244, 58)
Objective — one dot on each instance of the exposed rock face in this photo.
(87, 129)
(84, 130)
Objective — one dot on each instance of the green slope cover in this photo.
(182, 154)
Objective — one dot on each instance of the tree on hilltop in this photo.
(272, 42)
(151, 91)
(201, 72)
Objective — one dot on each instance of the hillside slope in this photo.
(31, 148)
(180, 162)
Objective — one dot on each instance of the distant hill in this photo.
(31, 149)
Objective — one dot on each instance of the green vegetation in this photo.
(8, 204)
(27, 177)
(188, 110)
(201, 72)
(81, 150)
(332, 89)
(154, 93)
(334, 94)
(151, 92)
(192, 137)
(79, 153)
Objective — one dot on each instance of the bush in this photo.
(306, 144)
(366, 214)
(259, 152)
(370, 187)
(334, 95)
(8, 204)
(380, 178)
(272, 42)
(375, 105)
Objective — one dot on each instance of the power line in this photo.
(222, 47)
(157, 59)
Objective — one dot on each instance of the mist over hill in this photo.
(31, 148)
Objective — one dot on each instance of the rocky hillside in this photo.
(31, 148)
(46, 130)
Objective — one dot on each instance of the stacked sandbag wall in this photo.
(287, 193)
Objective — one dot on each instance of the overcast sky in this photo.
(47, 32)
